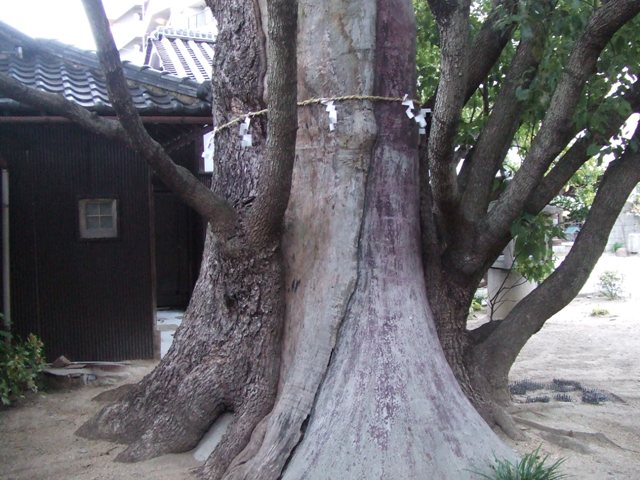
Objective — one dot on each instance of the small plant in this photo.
(478, 302)
(20, 366)
(520, 387)
(617, 246)
(531, 467)
(594, 397)
(599, 312)
(562, 397)
(561, 385)
(611, 284)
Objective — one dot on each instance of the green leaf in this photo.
(523, 94)
(593, 149)
(526, 32)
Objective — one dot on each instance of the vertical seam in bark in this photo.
(347, 310)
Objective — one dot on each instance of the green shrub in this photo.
(617, 246)
(599, 312)
(533, 251)
(531, 467)
(611, 284)
(478, 302)
(21, 363)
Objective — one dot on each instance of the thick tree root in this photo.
(114, 394)
(506, 422)
(557, 433)
(177, 424)
(492, 403)
(152, 428)
(234, 440)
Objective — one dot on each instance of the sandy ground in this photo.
(38, 442)
(602, 353)
(597, 441)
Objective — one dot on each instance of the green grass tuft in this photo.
(530, 467)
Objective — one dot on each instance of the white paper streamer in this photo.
(333, 114)
(419, 115)
(409, 104)
(421, 120)
(210, 149)
(245, 134)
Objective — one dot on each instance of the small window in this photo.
(98, 218)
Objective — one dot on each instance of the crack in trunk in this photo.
(347, 311)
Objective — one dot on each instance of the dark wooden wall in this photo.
(179, 238)
(87, 299)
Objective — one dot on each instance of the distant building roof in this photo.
(76, 74)
(185, 53)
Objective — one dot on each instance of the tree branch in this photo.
(556, 130)
(502, 346)
(487, 47)
(495, 139)
(177, 178)
(54, 103)
(576, 156)
(453, 24)
(488, 44)
(274, 184)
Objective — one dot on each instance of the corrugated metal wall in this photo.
(87, 299)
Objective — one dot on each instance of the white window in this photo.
(98, 218)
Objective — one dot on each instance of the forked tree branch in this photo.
(487, 155)
(577, 155)
(556, 130)
(177, 178)
(488, 44)
(530, 314)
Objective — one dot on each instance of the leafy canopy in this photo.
(616, 72)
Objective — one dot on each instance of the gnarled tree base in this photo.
(224, 359)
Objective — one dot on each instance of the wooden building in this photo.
(95, 241)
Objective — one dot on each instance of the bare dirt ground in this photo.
(601, 441)
(38, 441)
(601, 353)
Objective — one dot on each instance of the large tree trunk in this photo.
(225, 356)
(364, 387)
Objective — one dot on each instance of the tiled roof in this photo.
(185, 53)
(76, 74)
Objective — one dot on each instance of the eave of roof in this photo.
(76, 74)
